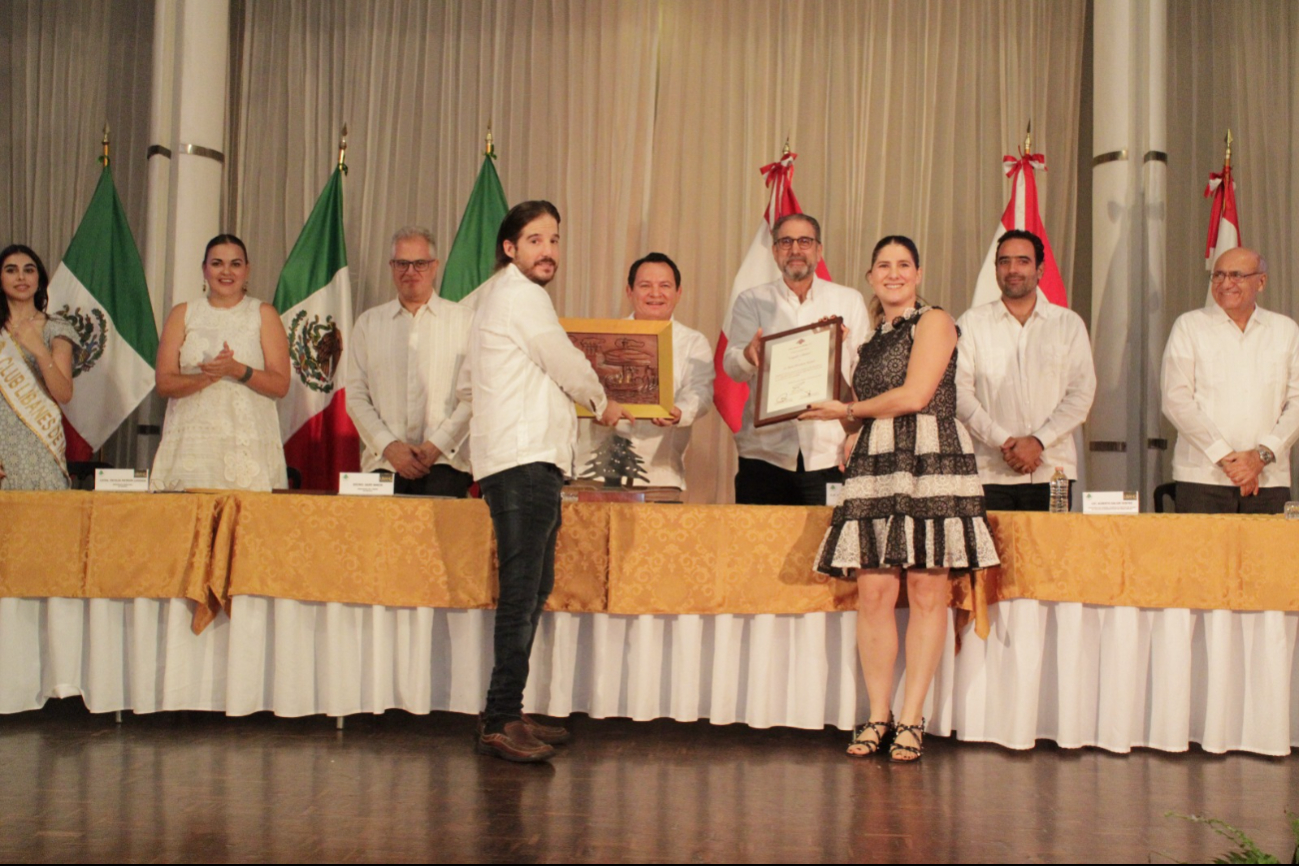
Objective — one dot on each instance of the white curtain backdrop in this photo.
(646, 122)
(1080, 675)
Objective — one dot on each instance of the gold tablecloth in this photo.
(614, 558)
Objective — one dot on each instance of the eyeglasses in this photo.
(1231, 276)
(420, 265)
(787, 244)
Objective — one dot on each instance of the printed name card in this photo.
(365, 483)
(1111, 502)
(833, 493)
(122, 480)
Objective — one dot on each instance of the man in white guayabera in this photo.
(1231, 388)
(401, 379)
(1024, 381)
(522, 377)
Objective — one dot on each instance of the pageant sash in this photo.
(28, 400)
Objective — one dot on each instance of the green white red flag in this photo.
(314, 299)
(758, 268)
(100, 288)
(473, 254)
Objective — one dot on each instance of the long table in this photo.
(1153, 630)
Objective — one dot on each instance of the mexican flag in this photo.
(314, 299)
(99, 287)
(758, 268)
(473, 254)
(1021, 213)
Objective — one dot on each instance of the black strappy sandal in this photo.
(914, 752)
(884, 733)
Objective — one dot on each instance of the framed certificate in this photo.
(797, 368)
(633, 360)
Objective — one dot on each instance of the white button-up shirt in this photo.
(1226, 390)
(1035, 379)
(522, 376)
(775, 308)
(663, 449)
(401, 380)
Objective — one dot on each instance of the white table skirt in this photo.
(1081, 675)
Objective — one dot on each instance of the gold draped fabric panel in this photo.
(611, 558)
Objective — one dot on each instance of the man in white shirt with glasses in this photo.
(792, 462)
(1025, 381)
(401, 381)
(1231, 388)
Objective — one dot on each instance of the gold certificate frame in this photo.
(797, 368)
(633, 360)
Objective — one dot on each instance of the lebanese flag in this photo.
(100, 289)
(1021, 213)
(314, 299)
(758, 268)
(1224, 222)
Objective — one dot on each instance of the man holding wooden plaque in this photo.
(785, 461)
(654, 288)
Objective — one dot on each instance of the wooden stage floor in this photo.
(203, 787)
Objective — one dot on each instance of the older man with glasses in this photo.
(793, 462)
(1231, 388)
(403, 364)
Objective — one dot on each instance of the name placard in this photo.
(365, 483)
(1111, 502)
(122, 480)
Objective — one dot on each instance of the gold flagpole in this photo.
(489, 149)
(103, 159)
(1226, 157)
(1028, 138)
(342, 149)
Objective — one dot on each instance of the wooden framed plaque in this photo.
(797, 368)
(633, 360)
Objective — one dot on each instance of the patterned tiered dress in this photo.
(911, 498)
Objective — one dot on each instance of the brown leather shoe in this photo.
(516, 743)
(552, 734)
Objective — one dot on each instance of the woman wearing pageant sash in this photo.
(35, 376)
(223, 361)
(911, 504)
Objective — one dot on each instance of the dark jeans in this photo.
(1020, 497)
(524, 503)
(1225, 499)
(761, 483)
(442, 480)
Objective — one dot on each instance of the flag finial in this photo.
(1028, 138)
(103, 159)
(1226, 157)
(786, 151)
(490, 147)
(342, 149)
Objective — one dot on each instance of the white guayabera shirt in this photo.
(522, 377)
(1035, 379)
(774, 308)
(1229, 390)
(401, 380)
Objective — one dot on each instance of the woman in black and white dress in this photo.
(912, 503)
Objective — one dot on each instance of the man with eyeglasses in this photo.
(1025, 381)
(793, 462)
(401, 382)
(1231, 388)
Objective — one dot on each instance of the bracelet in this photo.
(248, 374)
(848, 416)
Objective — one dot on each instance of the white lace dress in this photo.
(227, 435)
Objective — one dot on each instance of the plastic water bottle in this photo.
(1059, 492)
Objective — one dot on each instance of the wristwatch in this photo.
(848, 416)
(1265, 454)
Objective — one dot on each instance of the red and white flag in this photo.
(758, 268)
(1224, 222)
(1021, 213)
